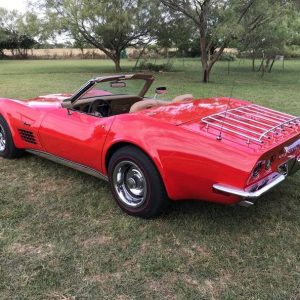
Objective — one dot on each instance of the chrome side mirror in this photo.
(160, 91)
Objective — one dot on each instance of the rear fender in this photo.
(184, 160)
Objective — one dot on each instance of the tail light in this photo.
(257, 169)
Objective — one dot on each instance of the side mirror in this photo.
(118, 84)
(160, 91)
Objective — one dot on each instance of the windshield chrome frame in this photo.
(148, 78)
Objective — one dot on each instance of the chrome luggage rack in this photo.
(252, 122)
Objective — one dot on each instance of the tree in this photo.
(219, 22)
(175, 30)
(272, 39)
(11, 35)
(109, 25)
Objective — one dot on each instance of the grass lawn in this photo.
(63, 237)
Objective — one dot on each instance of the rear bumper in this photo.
(254, 192)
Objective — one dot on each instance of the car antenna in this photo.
(220, 136)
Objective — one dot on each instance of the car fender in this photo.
(180, 157)
(7, 107)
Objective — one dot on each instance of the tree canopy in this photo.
(109, 25)
(12, 35)
(221, 22)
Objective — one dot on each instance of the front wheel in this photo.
(136, 183)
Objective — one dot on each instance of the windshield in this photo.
(120, 87)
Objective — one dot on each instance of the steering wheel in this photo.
(101, 107)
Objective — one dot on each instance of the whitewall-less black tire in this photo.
(7, 146)
(136, 183)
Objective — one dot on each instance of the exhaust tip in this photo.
(246, 203)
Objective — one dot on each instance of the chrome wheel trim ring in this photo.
(130, 184)
(2, 139)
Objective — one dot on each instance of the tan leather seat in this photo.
(146, 104)
(149, 103)
(183, 98)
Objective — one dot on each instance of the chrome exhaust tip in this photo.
(246, 203)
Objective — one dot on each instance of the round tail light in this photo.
(257, 169)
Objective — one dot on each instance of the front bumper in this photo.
(258, 189)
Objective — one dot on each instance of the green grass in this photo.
(63, 237)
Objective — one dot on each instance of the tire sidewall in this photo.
(10, 150)
(153, 182)
(7, 135)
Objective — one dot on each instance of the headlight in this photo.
(257, 169)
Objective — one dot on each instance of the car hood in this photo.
(183, 112)
(53, 100)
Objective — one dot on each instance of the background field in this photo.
(62, 236)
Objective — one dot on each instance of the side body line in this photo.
(68, 163)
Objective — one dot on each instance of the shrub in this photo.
(155, 67)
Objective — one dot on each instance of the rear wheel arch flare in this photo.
(120, 145)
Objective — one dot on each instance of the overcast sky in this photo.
(19, 5)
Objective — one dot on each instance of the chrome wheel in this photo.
(2, 139)
(130, 184)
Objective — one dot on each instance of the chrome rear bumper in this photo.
(255, 191)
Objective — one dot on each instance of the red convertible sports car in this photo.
(151, 151)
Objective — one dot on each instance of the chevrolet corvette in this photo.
(153, 152)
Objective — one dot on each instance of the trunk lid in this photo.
(183, 112)
(231, 121)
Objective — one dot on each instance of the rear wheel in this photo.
(136, 183)
(7, 146)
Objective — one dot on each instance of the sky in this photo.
(19, 5)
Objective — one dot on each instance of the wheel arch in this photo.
(120, 144)
(6, 115)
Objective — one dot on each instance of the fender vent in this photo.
(27, 136)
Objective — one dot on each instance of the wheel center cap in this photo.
(131, 183)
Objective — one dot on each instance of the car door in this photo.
(75, 136)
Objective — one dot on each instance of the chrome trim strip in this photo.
(293, 147)
(239, 192)
(69, 164)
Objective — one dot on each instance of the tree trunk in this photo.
(117, 64)
(205, 75)
(267, 63)
(272, 64)
(261, 65)
(204, 61)
(139, 57)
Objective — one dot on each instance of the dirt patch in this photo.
(38, 188)
(211, 288)
(97, 240)
(39, 251)
(163, 287)
(59, 296)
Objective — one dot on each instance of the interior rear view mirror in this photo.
(118, 84)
